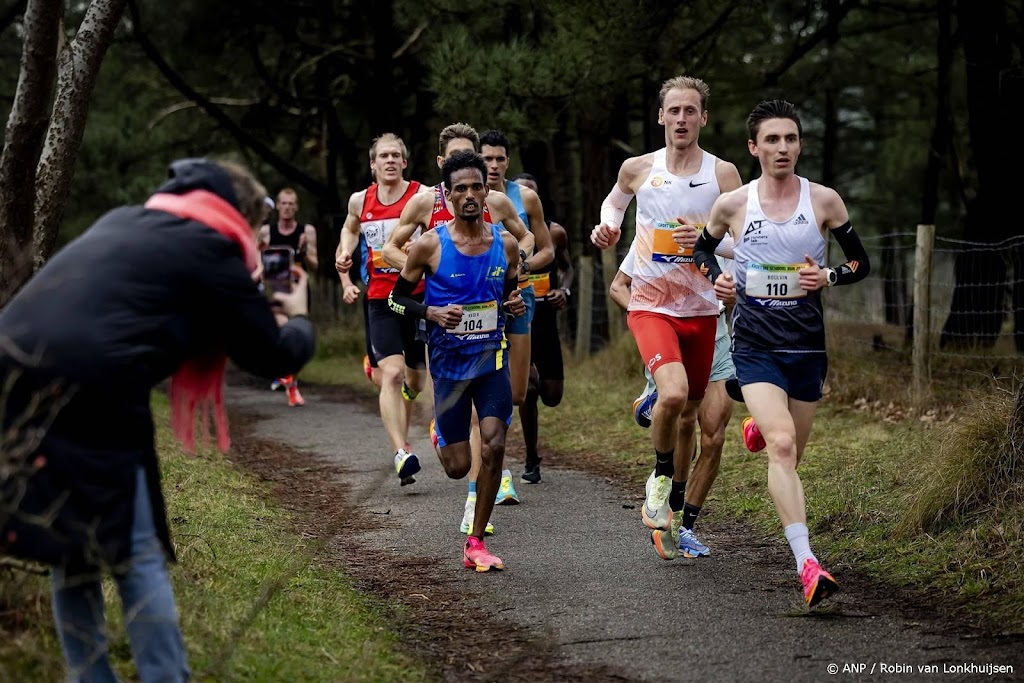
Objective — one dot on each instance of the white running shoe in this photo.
(655, 512)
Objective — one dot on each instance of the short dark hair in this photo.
(526, 176)
(772, 109)
(461, 160)
(495, 138)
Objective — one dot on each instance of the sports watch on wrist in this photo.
(831, 276)
(524, 265)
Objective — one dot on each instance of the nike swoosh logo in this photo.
(699, 184)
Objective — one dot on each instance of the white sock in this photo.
(796, 534)
(506, 473)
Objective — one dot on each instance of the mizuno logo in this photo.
(693, 184)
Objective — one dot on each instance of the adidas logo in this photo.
(800, 220)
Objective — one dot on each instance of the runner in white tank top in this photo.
(672, 310)
(777, 222)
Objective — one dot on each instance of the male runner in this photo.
(712, 417)
(423, 214)
(471, 271)
(778, 222)
(286, 231)
(551, 286)
(373, 213)
(495, 149)
(672, 310)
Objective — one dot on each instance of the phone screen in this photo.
(277, 268)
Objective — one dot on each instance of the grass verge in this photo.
(254, 603)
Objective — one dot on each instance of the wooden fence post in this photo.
(609, 266)
(922, 315)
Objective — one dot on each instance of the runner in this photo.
(286, 232)
(712, 417)
(471, 270)
(779, 223)
(551, 286)
(373, 213)
(495, 148)
(422, 214)
(672, 310)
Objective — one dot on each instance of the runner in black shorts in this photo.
(551, 285)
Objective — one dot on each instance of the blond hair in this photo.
(388, 137)
(686, 83)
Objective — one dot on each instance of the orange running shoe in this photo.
(818, 583)
(367, 368)
(752, 436)
(294, 397)
(475, 556)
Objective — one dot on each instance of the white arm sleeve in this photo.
(614, 206)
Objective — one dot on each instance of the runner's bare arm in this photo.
(619, 289)
(415, 216)
(504, 211)
(543, 252)
(724, 214)
(308, 243)
(614, 206)
(511, 297)
(349, 241)
(563, 262)
(728, 176)
(263, 239)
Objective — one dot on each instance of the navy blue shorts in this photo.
(454, 400)
(800, 375)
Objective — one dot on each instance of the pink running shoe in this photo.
(752, 436)
(433, 433)
(367, 368)
(475, 556)
(818, 583)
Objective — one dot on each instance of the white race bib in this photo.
(479, 318)
(775, 285)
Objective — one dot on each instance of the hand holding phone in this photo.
(277, 269)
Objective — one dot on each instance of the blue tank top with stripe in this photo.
(512, 191)
(477, 346)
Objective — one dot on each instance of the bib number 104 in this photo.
(471, 325)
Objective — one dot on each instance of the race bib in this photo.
(776, 285)
(541, 284)
(665, 248)
(478, 318)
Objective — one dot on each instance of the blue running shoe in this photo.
(691, 546)
(642, 408)
(406, 465)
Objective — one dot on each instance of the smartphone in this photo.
(277, 269)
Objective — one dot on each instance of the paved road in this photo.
(582, 574)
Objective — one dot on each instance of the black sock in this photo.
(677, 498)
(532, 461)
(690, 513)
(665, 464)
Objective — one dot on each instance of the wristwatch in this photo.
(831, 276)
(567, 292)
(524, 265)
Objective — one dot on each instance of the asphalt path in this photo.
(581, 573)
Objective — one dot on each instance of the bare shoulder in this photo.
(558, 232)
(425, 244)
(728, 175)
(828, 205)
(499, 204)
(731, 202)
(355, 202)
(509, 241)
(425, 189)
(635, 170)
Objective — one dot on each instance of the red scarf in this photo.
(198, 385)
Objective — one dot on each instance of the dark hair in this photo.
(461, 160)
(526, 176)
(495, 138)
(773, 109)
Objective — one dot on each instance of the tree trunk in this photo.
(979, 301)
(78, 66)
(23, 142)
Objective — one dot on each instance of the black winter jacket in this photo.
(109, 317)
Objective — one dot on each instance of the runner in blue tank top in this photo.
(471, 270)
(779, 224)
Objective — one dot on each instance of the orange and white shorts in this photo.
(667, 339)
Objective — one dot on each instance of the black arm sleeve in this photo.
(704, 255)
(857, 265)
(508, 287)
(401, 302)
